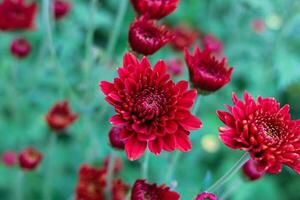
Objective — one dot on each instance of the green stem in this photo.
(145, 165)
(235, 168)
(19, 185)
(109, 179)
(196, 105)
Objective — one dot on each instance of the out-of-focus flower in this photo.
(16, 15)
(60, 117)
(184, 37)
(274, 21)
(114, 138)
(249, 169)
(210, 143)
(156, 9)
(9, 158)
(61, 8)
(207, 74)
(20, 48)
(30, 158)
(174, 67)
(206, 196)
(145, 37)
(119, 190)
(118, 165)
(258, 26)
(144, 191)
(264, 130)
(213, 43)
(152, 108)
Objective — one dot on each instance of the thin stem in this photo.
(109, 179)
(19, 185)
(236, 167)
(196, 105)
(172, 165)
(145, 165)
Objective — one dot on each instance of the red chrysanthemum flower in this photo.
(174, 67)
(249, 169)
(60, 116)
(145, 37)
(156, 9)
(30, 158)
(16, 15)
(152, 108)
(144, 191)
(61, 8)
(263, 129)
(213, 43)
(184, 37)
(206, 196)
(114, 138)
(9, 158)
(207, 74)
(20, 48)
(119, 190)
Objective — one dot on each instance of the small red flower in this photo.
(184, 37)
(30, 158)
(175, 67)
(16, 15)
(213, 43)
(61, 8)
(206, 196)
(249, 169)
(144, 191)
(258, 26)
(207, 74)
(152, 108)
(9, 158)
(264, 130)
(60, 116)
(20, 48)
(145, 37)
(156, 9)
(114, 138)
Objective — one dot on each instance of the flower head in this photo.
(145, 37)
(60, 117)
(20, 48)
(264, 130)
(61, 8)
(144, 191)
(249, 169)
(30, 158)
(206, 196)
(207, 74)
(184, 37)
(213, 43)
(114, 138)
(156, 9)
(16, 15)
(9, 158)
(174, 66)
(153, 110)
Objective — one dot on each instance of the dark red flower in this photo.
(30, 158)
(60, 117)
(114, 138)
(152, 108)
(206, 196)
(119, 190)
(249, 169)
(258, 26)
(156, 9)
(184, 37)
(145, 191)
(145, 37)
(9, 158)
(61, 8)
(118, 165)
(264, 130)
(174, 67)
(213, 43)
(20, 48)
(16, 15)
(207, 74)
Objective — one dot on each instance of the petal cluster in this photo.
(265, 130)
(206, 196)
(213, 43)
(30, 158)
(152, 108)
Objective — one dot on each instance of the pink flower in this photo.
(9, 158)
(206, 196)
(249, 169)
(20, 48)
(174, 66)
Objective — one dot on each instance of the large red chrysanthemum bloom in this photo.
(207, 73)
(152, 108)
(156, 9)
(30, 158)
(250, 171)
(145, 37)
(145, 191)
(184, 37)
(16, 15)
(263, 129)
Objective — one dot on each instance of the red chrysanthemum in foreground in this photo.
(61, 8)
(152, 108)
(206, 196)
(20, 48)
(174, 67)
(114, 138)
(9, 158)
(263, 129)
(156, 9)
(258, 26)
(207, 73)
(213, 43)
(30, 158)
(146, 37)
(60, 117)
(184, 37)
(145, 191)
(249, 169)
(16, 15)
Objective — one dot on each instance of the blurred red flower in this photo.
(114, 138)
(213, 43)
(16, 15)
(119, 190)
(207, 74)
(249, 169)
(152, 108)
(206, 196)
(30, 158)
(145, 37)
(258, 26)
(144, 191)
(174, 67)
(264, 130)
(156, 9)
(60, 117)
(183, 37)
(20, 48)
(61, 8)
(118, 165)
(9, 158)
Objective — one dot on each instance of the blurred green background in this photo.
(69, 59)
